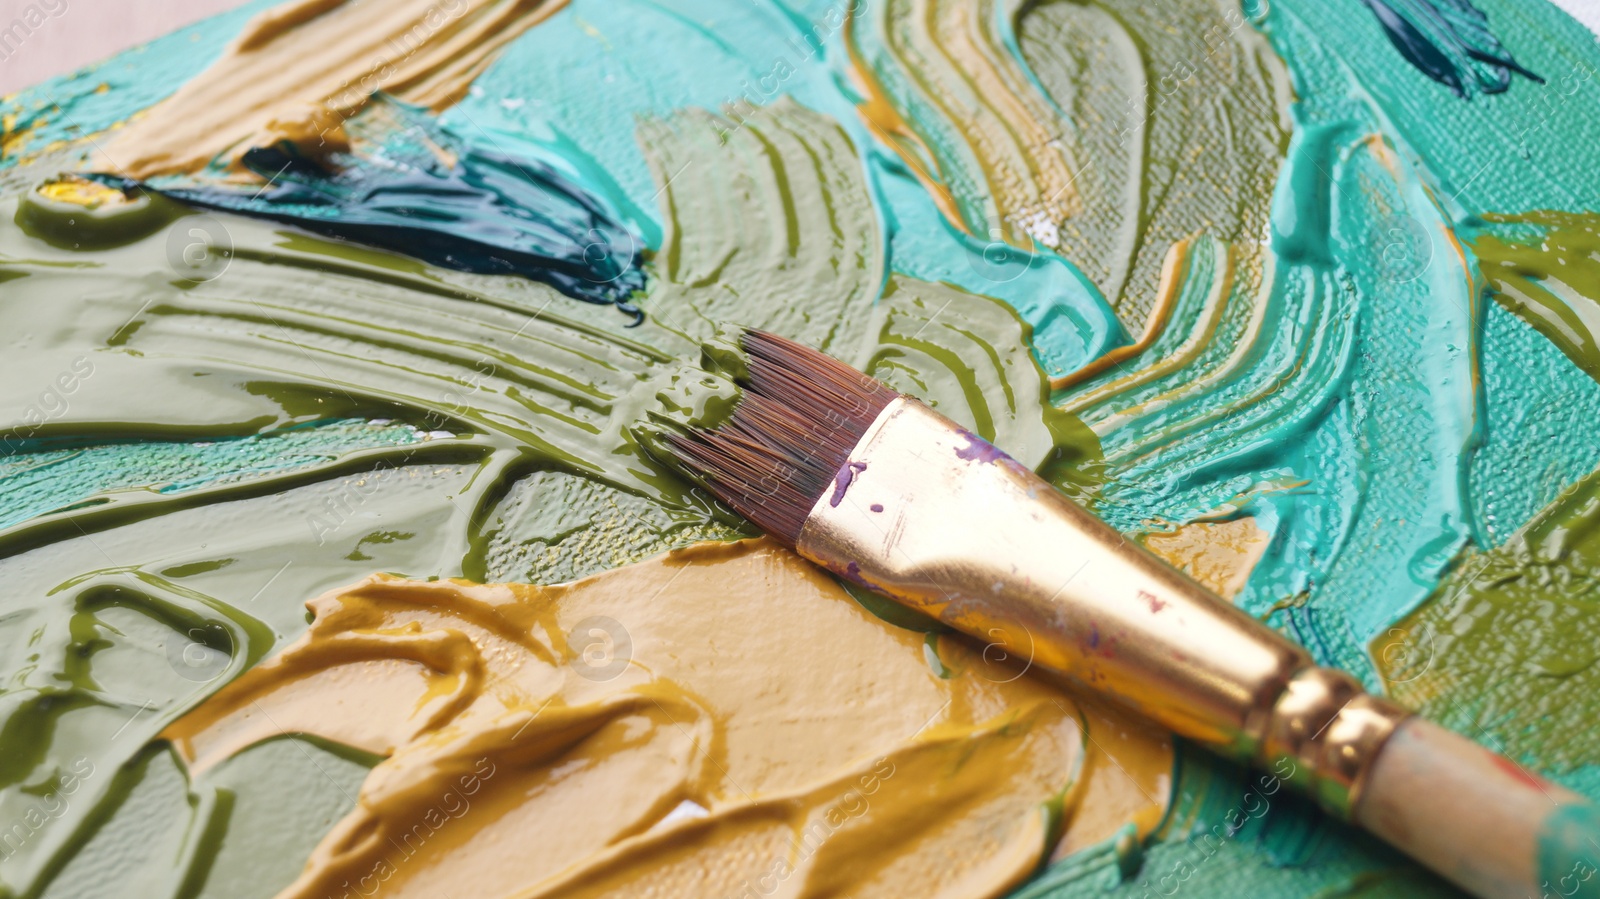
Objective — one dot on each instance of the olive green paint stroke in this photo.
(553, 527)
(298, 330)
(1506, 649)
(786, 237)
(1545, 267)
(1331, 366)
(517, 462)
(94, 644)
(283, 794)
(965, 356)
(697, 396)
(72, 226)
(970, 361)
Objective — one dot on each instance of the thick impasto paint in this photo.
(329, 304)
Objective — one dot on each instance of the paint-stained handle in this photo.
(964, 533)
(1480, 819)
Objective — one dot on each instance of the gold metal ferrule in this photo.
(939, 520)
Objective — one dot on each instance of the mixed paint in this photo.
(351, 306)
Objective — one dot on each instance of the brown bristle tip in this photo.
(801, 415)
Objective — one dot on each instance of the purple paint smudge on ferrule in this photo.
(852, 573)
(978, 449)
(841, 481)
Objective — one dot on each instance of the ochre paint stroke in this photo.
(1052, 149)
(1224, 292)
(948, 51)
(1166, 297)
(886, 123)
(1218, 554)
(298, 69)
(720, 715)
(1220, 291)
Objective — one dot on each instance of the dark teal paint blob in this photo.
(410, 185)
(1450, 42)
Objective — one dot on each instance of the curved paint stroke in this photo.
(1509, 641)
(1330, 375)
(820, 267)
(1545, 267)
(1258, 386)
(1080, 145)
(497, 449)
(1424, 174)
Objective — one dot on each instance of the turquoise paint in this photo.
(1539, 139)
(1357, 376)
(1301, 213)
(1569, 852)
(1533, 397)
(1485, 461)
(1071, 321)
(45, 480)
(1513, 444)
(1006, 14)
(1373, 342)
(707, 53)
(529, 91)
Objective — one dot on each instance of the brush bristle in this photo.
(801, 415)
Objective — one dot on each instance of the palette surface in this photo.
(332, 567)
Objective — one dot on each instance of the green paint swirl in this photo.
(352, 411)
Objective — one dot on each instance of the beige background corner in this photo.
(74, 33)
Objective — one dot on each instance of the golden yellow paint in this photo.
(1218, 554)
(1243, 343)
(1126, 778)
(950, 50)
(1209, 267)
(886, 124)
(298, 69)
(1166, 297)
(13, 140)
(721, 719)
(83, 192)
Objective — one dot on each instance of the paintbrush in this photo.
(886, 493)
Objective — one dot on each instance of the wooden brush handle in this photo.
(1478, 818)
(935, 518)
